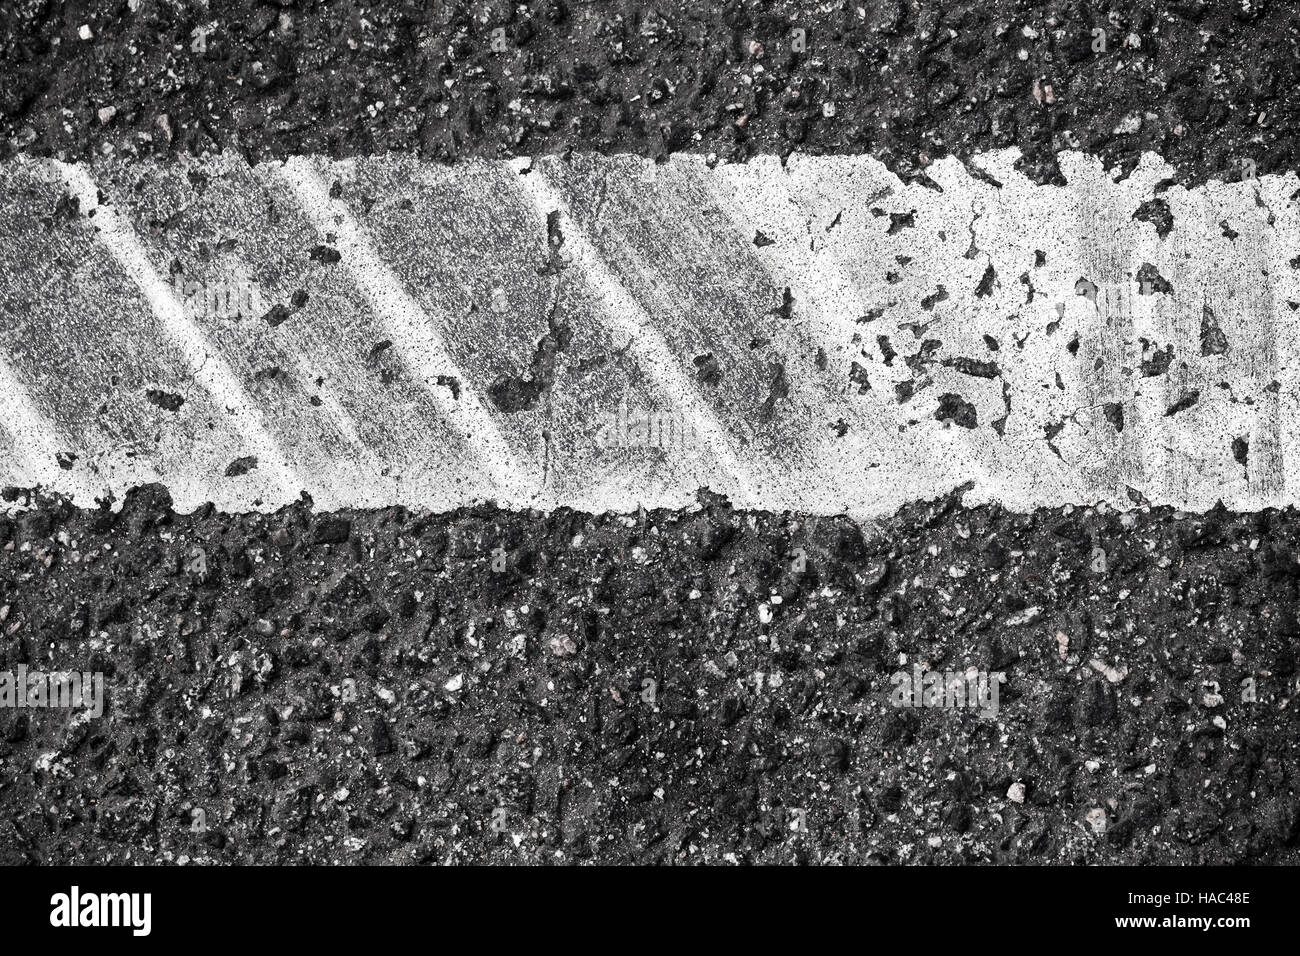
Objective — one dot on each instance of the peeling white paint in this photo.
(899, 294)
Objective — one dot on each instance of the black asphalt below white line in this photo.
(607, 333)
(701, 685)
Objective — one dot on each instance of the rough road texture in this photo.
(501, 715)
(1203, 84)
(471, 685)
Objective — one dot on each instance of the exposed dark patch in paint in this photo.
(1157, 212)
(65, 459)
(167, 401)
(1000, 424)
(778, 390)
(983, 176)
(1087, 288)
(1050, 431)
(1114, 412)
(511, 394)
(450, 382)
(923, 356)
(1029, 287)
(66, 209)
(1271, 219)
(1184, 402)
(887, 353)
(325, 255)
(991, 343)
(985, 288)
(555, 262)
(1228, 231)
(1213, 341)
(270, 373)
(872, 314)
(1150, 281)
(976, 367)
(241, 466)
(378, 349)
(898, 221)
(786, 309)
(761, 239)
(930, 301)
(1072, 346)
(973, 250)
(955, 409)
(514, 393)
(1159, 361)
(707, 369)
(1241, 451)
(903, 391)
(858, 376)
(277, 315)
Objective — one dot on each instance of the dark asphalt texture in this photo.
(498, 709)
(1206, 85)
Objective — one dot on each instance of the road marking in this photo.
(1117, 340)
(412, 331)
(206, 364)
(627, 320)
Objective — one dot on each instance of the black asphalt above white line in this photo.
(1208, 85)
(607, 332)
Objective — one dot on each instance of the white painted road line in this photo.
(206, 365)
(630, 323)
(33, 439)
(607, 332)
(412, 332)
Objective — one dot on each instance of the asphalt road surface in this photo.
(581, 432)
